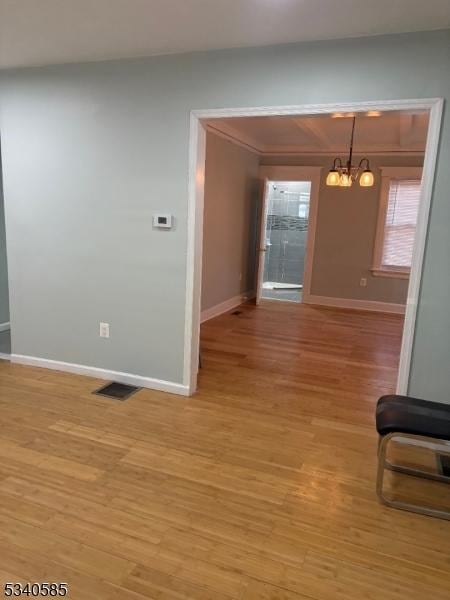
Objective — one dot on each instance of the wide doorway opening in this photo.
(348, 236)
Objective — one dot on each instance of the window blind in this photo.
(401, 221)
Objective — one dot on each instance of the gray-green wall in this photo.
(4, 299)
(91, 151)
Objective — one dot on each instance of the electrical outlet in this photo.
(363, 282)
(104, 330)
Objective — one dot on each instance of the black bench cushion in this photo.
(402, 414)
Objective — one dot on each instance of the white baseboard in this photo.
(224, 307)
(370, 305)
(4, 356)
(5, 326)
(128, 378)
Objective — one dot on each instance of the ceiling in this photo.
(393, 131)
(36, 32)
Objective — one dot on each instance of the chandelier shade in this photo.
(333, 177)
(366, 179)
(341, 175)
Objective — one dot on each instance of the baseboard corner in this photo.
(6, 326)
(105, 374)
(226, 306)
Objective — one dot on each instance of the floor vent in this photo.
(443, 461)
(118, 391)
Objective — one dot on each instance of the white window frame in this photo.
(387, 175)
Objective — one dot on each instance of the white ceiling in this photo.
(393, 131)
(35, 32)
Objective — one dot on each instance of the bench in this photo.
(417, 422)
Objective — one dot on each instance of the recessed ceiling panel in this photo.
(392, 131)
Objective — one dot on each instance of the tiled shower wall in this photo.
(286, 232)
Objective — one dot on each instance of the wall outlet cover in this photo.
(104, 330)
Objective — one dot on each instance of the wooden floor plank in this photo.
(259, 487)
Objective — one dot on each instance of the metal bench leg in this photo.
(383, 464)
(416, 472)
(409, 470)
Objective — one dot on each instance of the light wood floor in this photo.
(261, 486)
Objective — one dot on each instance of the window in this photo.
(397, 221)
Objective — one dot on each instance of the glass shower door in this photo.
(285, 239)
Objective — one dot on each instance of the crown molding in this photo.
(334, 153)
(231, 134)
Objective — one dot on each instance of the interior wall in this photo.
(232, 192)
(4, 294)
(345, 233)
(92, 151)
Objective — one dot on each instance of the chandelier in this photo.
(344, 175)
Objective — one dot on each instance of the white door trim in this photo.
(261, 246)
(296, 173)
(415, 277)
(195, 214)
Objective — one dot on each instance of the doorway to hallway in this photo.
(334, 115)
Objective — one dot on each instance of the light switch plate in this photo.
(104, 330)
